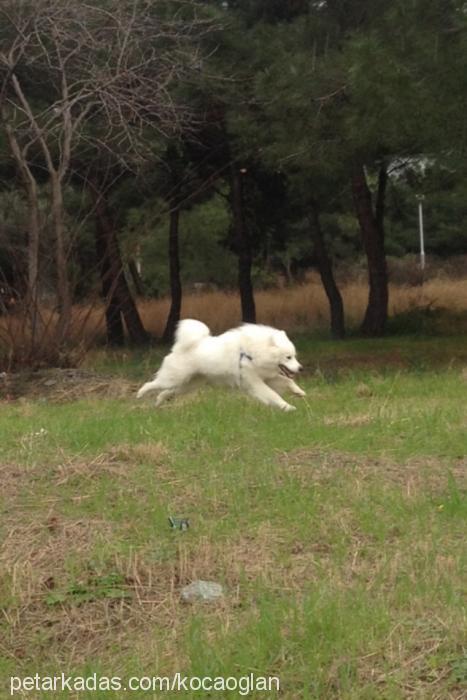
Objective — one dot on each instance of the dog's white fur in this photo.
(257, 359)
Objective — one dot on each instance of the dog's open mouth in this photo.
(286, 371)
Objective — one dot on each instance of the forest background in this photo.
(268, 160)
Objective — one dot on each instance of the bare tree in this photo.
(79, 79)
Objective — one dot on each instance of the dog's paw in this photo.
(299, 392)
(288, 407)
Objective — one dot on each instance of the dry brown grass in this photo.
(295, 308)
(299, 307)
(305, 306)
(18, 347)
(63, 385)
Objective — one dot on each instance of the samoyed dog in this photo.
(259, 360)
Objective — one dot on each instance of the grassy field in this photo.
(338, 531)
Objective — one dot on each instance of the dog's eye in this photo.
(289, 357)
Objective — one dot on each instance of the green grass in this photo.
(338, 530)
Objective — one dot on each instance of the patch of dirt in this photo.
(62, 385)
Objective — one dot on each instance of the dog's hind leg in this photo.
(167, 378)
(261, 391)
(168, 394)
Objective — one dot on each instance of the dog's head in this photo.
(285, 354)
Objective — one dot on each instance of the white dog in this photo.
(258, 359)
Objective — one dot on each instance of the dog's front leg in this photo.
(285, 384)
(261, 391)
(295, 389)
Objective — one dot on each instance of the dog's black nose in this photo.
(300, 368)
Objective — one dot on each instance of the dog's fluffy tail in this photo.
(189, 332)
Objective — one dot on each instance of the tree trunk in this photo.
(372, 232)
(242, 246)
(327, 277)
(33, 244)
(63, 285)
(175, 282)
(118, 298)
(30, 184)
(113, 318)
(32, 296)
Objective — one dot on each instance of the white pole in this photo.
(138, 259)
(422, 236)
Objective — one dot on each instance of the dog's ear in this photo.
(274, 337)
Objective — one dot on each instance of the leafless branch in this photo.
(77, 77)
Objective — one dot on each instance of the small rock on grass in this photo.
(203, 591)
